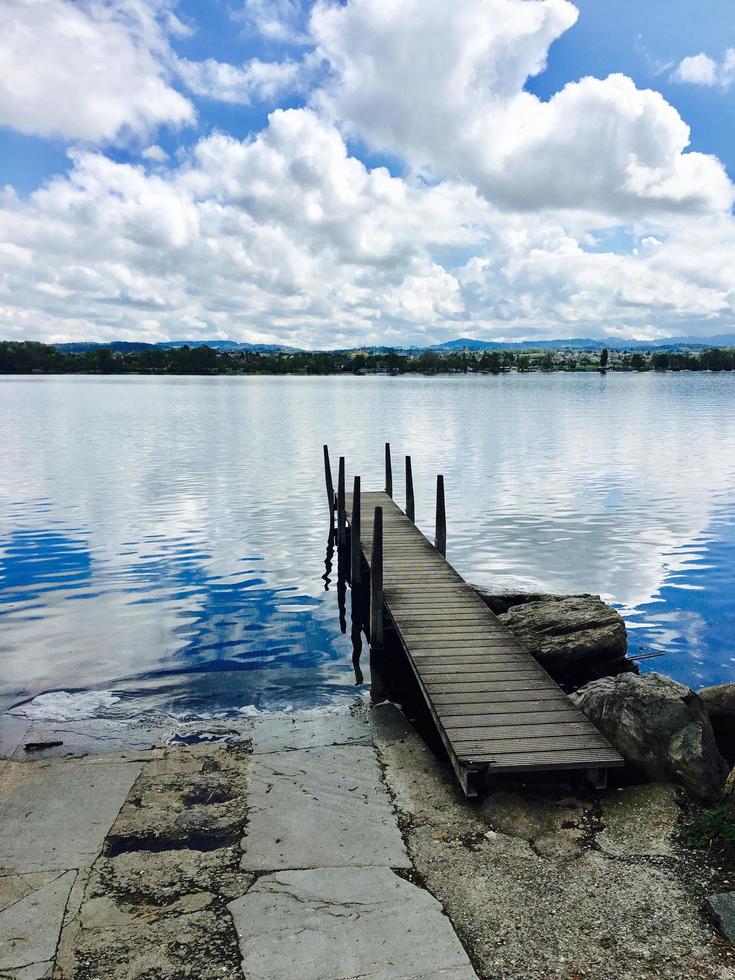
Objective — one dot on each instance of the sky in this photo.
(352, 172)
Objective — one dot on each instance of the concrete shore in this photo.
(333, 845)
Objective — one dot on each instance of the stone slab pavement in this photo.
(321, 807)
(322, 831)
(330, 897)
(336, 923)
(30, 926)
(54, 817)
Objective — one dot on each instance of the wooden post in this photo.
(441, 519)
(330, 485)
(355, 535)
(341, 515)
(376, 583)
(388, 471)
(410, 509)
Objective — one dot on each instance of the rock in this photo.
(501, 602)
(722, 909)
(728, 794)
(660, 727)
(576, 638)
(720, 704)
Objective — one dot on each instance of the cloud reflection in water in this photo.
(165, 536)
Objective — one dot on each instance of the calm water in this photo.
(162, 540)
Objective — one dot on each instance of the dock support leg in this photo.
(341, 515)
(376, 583)
(388, 471)
(356, 568)
(597, 778)
(330, 486)
(410, 507)
(441, 519)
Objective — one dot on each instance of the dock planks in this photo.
(495, 707)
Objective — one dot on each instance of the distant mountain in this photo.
(226, 345)
(124, 346)
(719, 340)
(585, 343)
(462, 343)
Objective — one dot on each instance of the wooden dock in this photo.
(496, 709)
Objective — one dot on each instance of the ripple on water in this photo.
(162, 540)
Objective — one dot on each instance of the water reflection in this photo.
(221, 640)
(689, 620)
(164, 537)
(359, 600)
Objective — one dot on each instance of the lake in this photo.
(162, 540)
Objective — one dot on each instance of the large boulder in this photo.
(661, 729)
(722, 909)
(728, 793)
(577, 638)
(501, 602)
(720, 704)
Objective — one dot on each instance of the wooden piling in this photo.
(410, 507)
(388, 471)
(441, 519)
(341, 515)
(376, 583)
(356, 565)
(330, 485)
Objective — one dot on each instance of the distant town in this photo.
(29, 357)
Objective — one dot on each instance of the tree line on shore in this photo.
(30, 357)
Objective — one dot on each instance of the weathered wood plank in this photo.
(442, 622)
(441, 686)
(513, 669)
(491, 733)
(480, 699)
(427, 661)
(547, 760)
(475, 644)
(409, 596)
(497, 678)
(498, 716)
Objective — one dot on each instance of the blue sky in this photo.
(525, 192)
(645, 40)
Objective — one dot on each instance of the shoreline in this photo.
(535, 881)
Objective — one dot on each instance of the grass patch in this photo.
(713, 830)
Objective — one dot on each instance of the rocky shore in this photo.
(663, 730)
(336, 844)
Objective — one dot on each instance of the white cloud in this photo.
(276, 20)
(89, 70)
(499, 226)
(155, 153)
(288, 237)
(442, 86)
(700, 69)
(284, 234)
(254, 81)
